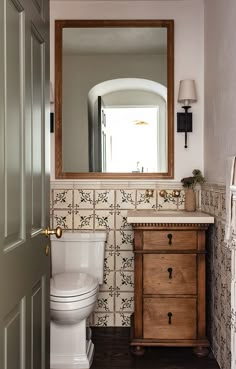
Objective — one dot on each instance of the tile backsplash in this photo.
(105, 209)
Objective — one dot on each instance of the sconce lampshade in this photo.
(187, 91)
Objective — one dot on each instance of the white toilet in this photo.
(77, 271)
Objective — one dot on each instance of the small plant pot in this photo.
(190, 200)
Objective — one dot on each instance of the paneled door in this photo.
(24, 184)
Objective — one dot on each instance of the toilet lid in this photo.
(72, 284)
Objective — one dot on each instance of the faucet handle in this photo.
(176, 193)
(149, 193)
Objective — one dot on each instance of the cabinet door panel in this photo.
(169, 274)
(169, 318)
(169, 240)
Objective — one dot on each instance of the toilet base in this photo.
(79, 362)
(69, 347)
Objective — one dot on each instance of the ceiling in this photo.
(90, 41)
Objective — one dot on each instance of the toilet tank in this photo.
(79, 252)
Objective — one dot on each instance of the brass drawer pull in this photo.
(170, 272)
(170, 238)
(169, 317)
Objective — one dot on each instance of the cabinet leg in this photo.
(138, 350)
(201, 351)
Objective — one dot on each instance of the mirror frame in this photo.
(59, 25)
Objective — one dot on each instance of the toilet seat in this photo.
(64, 285)
(70, 291)
(74, 298)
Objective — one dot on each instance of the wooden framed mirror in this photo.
(114, 99)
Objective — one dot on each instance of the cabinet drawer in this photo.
(169, 274)
(169, 240)
(169, 318)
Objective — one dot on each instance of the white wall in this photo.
(133, 97)
(220, 87)
(189, 55)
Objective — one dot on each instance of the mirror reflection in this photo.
(119, 125)
(114, 109)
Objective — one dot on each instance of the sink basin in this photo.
(168, 216)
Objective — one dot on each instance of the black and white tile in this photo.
(219, 277)
(125, 199)
(144, 201)
(166, 200)
(62, 199)
(83, 199)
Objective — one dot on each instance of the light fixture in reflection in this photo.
(140, 123)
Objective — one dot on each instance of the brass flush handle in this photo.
(169, 317)
(48, 232)
(170, 238)
(170, 270)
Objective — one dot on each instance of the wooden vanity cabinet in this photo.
(169, 286)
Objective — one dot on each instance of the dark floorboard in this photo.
(112, 351)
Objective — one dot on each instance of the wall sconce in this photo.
(187, 94)
(51, 108)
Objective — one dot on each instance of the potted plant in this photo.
(189, 183)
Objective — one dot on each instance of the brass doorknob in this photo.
(48, 232)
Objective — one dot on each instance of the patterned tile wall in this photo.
(106, 209)
(233, 283)
(80, 208)
(219, 276)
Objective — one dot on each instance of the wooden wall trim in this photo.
(59, 25)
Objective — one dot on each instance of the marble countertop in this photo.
(164, 216)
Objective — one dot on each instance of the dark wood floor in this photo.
(112, 351)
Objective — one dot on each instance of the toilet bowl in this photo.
(73, 296)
